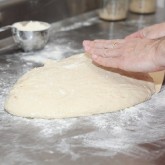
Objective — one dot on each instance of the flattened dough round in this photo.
(76, 87)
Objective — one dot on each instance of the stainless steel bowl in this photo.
(29, 40)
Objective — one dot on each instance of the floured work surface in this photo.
(76, 87)
(135, 135)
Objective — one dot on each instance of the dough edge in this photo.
(50, 116)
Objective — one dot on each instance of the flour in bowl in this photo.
(31, 26)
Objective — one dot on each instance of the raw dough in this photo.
(158, 78)
(76, 87)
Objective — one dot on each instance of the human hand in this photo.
(151, 32)
(136, 55)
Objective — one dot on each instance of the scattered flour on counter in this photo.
(51, 51)
(77, 25)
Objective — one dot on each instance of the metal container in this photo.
(143, 6)
(29, 39)
(113, 10)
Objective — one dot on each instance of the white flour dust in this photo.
(120, 132)
(51, 51)
(81, 24)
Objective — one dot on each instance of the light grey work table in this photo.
(134, 136)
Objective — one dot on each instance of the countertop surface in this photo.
(135, 135)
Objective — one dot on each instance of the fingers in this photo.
(107, 44)
(102, 43)
(103, 48)
(87, 45)
(111, 62)
(106, 53)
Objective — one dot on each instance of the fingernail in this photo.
(87, 48)
(86, 42)
(94, 56)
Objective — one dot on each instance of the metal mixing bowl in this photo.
(30, 40)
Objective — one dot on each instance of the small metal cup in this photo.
(30, 40)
